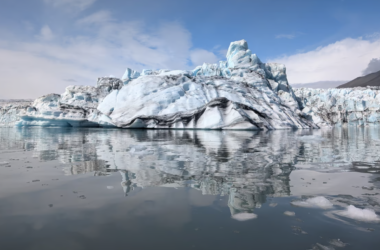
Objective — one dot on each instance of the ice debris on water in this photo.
(337, 243)
(323, 247)
(366, 214)
(244, 216)
(315, 202)
(289, 213)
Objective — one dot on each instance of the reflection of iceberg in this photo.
(96, 166)
(246, 166)
(216, 163)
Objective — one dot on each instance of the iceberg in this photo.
(239, 93)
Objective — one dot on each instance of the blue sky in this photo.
(46, 45)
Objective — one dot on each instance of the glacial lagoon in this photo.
(94, 188)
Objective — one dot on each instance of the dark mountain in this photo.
(372, 79)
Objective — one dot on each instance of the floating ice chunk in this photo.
(289, 213)
(316, 202)
(322, 247)
(355, 213)
(337, 243)
(244, 216)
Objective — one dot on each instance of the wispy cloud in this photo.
(69, 80)
(100, 17)
(200, 56)
(72, 5)
(105, 47)
(45, 34)
(287, 36)
(342, 60)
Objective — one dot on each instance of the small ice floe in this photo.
(316, 202)
(322, 247)
(109, 187)
(337, 243)
(273, 204)
(298, 230)
(311, 138)
(355, 213)
(289, 213)
(244, 216)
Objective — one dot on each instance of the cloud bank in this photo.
(342, 60)
(373, 66)
(103, 47)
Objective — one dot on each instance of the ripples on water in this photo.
(65, 188)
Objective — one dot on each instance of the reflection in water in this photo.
(189, 189)
(246, 166)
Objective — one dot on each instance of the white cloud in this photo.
(73, 5)
(342, 60)
(46, 34)
(373, 66)
(32, 69)
(288, 36)
(26, 75)
(200, 56)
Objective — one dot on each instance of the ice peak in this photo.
(237, 46)
(238, 54)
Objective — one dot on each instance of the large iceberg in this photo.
(239, 93)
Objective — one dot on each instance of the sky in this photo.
(46, 45)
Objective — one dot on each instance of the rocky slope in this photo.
(372, 79)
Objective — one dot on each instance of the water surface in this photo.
(67, 188)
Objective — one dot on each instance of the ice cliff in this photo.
(239, 93)
(336, 107)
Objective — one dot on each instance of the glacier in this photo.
(239, 93)
(336, 107)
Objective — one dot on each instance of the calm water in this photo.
(66, 188)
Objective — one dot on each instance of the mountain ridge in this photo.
(372, 79)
